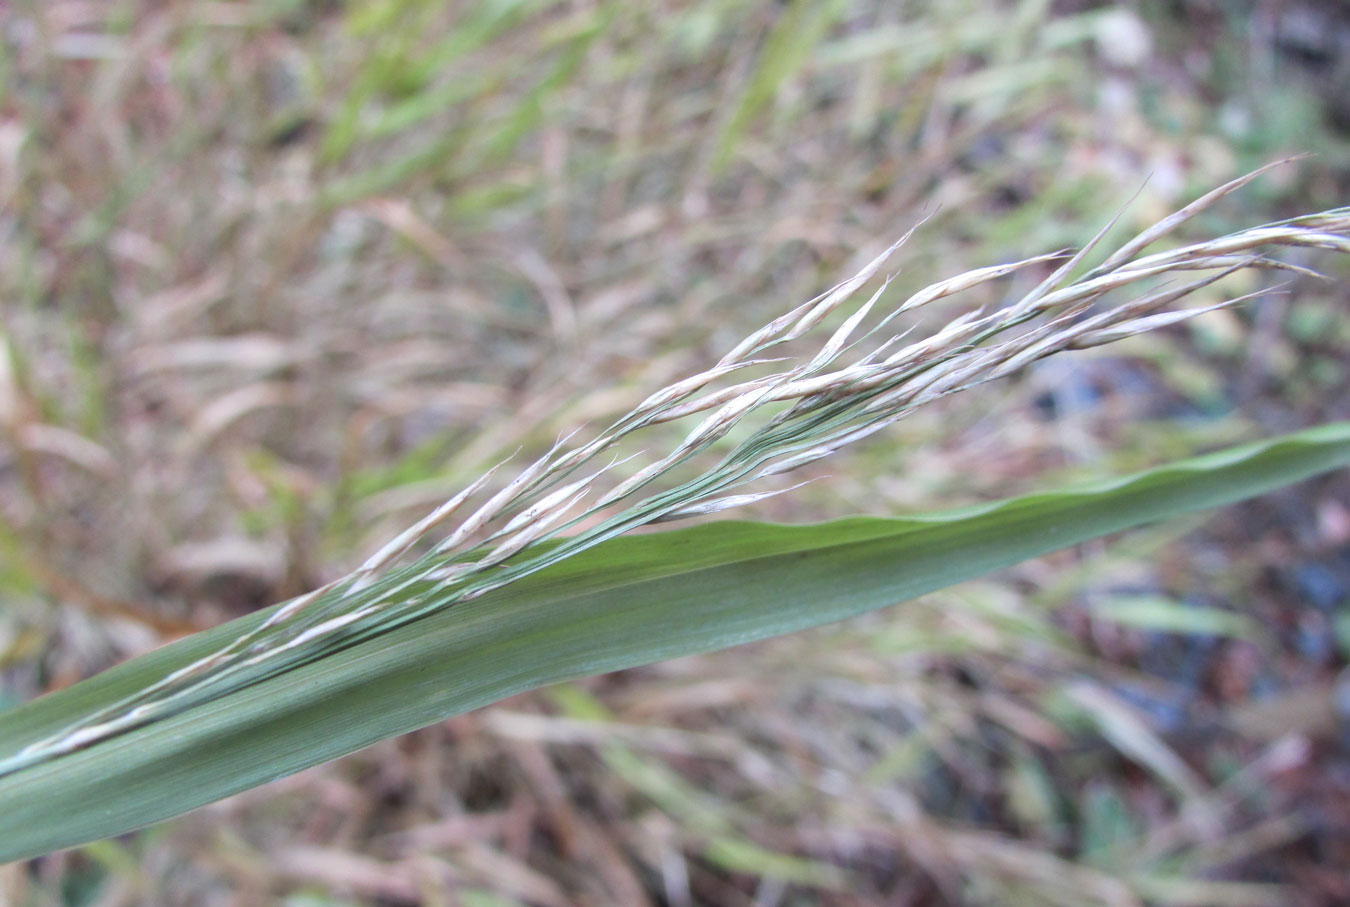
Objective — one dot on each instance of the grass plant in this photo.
(279, 279)
(808, 408)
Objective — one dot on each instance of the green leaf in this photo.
(1165, 615)
(785, 52)
(627, 602)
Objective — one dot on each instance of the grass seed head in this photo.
(844, 392)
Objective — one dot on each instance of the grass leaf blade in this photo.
(630, 601)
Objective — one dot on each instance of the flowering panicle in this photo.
(570, 499)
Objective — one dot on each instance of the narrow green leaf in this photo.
(786, 50)
(627, 602)
(1165, 615)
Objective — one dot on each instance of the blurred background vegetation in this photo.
(277, 276)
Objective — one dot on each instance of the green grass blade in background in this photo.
(802, 26)
(630, 601)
